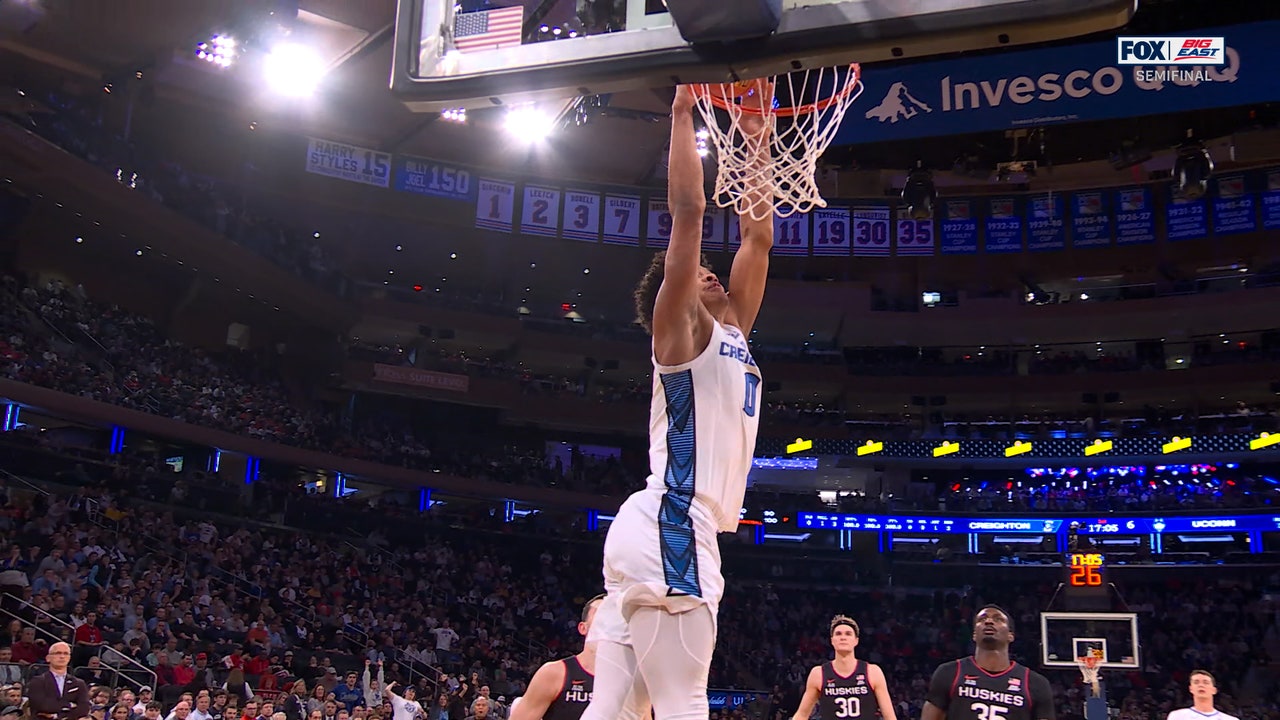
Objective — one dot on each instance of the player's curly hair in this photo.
(839, 620)
(646, 292)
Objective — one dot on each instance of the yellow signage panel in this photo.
(800, 445)
(870, 447)
(1176, 444)
(1098, 446)
(1265, 440)
(946, 448)
(1017, 448)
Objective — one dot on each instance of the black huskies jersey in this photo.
(965, 691)
(847, 697)
(575, 695)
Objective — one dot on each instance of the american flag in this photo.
(488, 29)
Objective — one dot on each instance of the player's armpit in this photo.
(542, 691)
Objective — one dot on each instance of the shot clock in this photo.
(1087, 575)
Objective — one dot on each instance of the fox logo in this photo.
(898, 104)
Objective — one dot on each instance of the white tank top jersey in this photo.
(702, 426)
(1194, 714)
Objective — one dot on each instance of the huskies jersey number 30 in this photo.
(965, 691)
(847, 697)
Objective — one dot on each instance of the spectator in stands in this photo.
(373, 688)
(95, 674)
(181, 711)
(479, 709)
(348, 694)
(10, 671)
(294, 704)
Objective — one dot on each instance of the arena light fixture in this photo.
(529, 124)
(703, 135)
(220, 50)
(457, 115)
(293, 70)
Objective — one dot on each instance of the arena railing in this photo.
(129, 670)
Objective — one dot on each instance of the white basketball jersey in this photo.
(1193, 714)
(702, 426)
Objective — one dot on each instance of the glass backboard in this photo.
(1065, 636)
(485, 53)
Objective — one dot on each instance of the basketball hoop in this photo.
(773, 171)
(1089, 666)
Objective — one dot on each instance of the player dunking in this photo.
(988, 685)
(657, 625)
(560, 690)
(846, 687)
(1203, 687)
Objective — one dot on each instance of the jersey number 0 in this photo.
(749, 402)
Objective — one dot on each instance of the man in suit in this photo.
(57, 694)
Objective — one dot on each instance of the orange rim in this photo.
(726, 96)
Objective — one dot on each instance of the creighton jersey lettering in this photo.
(979, 695)
(575, 695)
(847, 696)
(738, 352)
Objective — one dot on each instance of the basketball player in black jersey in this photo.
(988, 685)
(846, 688)
(561, 690)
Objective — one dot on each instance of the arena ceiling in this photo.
(100, 42)
(92, 46)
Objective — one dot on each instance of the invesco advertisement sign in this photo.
(1076, 83)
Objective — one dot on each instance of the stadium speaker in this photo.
(1111, 397)
(424, 331)
(447, 334)
(716, 21)
(590, 362)
(919, 400)
(1089, 398)
(610, 365)
(938, 400)
(772, 387)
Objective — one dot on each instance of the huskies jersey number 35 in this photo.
(965, 691)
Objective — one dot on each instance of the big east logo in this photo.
(1171, 50)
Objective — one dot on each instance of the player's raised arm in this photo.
(542, 691)
(751, 262)
(681, 327)
(812, 690)
(880, 687)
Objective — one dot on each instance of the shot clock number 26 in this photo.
(1086, 570)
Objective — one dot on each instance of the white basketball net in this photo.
(1089, 666)
(773, 172)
